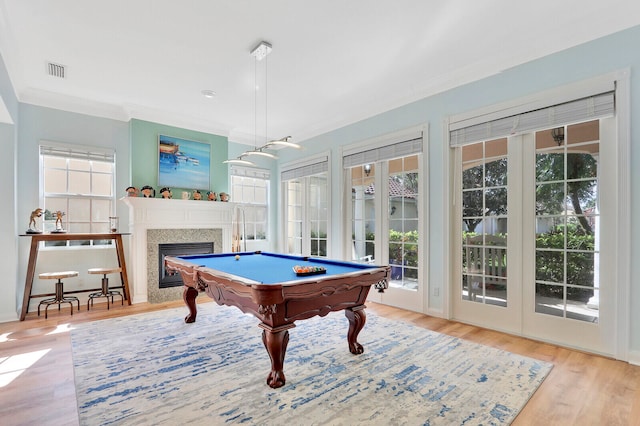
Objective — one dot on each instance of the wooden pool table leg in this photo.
(189, 296)
(357, 318)
(275, 341)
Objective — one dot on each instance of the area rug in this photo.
(154, 369)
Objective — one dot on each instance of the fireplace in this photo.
(158, 237)
(155, 221)
(177, 249)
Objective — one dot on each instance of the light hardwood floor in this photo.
(581, 389)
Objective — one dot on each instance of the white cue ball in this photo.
(237, 257)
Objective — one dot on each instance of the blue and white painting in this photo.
(183, 163)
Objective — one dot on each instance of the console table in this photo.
(33, 257)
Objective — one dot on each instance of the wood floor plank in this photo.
(582, 389)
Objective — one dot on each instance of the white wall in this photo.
(8, 244)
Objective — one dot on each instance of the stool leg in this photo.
(59, 290)
(105, 288)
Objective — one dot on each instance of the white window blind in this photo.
(575, 111)
(387, 152)
(250, 172)
(318, 166)
(80, 153)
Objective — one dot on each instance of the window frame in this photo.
(303, 171)
(72, 152)
(254, 175)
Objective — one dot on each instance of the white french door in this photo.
(385, 222)
(307, 215)
(571, 235)
(537, 236)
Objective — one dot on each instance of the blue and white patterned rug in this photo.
(155, 369)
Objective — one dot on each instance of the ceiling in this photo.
(333, 62)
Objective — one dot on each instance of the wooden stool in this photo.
(105, 292)
(59, 298)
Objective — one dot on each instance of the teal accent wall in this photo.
(144, 155)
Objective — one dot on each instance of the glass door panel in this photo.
(484, 219)
(385, 217)
(363, 226)
(403, 205)
(294, 217)
(567, 223)
(318, 214)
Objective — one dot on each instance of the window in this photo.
(400, 210)
(403, 218)
(363, 216)
(385, 211)
(294, 216)
(567, 212)
(78, 187)
(484, 219)
(306, 198)
(319, 214)
(544, 203)
(250, 188)
(391, 162)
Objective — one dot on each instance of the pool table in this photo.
(266, 285)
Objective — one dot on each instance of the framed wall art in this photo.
(183, 163)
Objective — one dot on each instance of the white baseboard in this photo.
(8, 316)
(634, 357)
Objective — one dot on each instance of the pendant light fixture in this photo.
(259, 53)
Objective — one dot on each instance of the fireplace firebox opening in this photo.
(178, 249)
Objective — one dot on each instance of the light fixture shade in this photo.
(285, 142)
(239, 161)
(261, 153)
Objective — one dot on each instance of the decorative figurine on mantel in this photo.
(166, 193)
(59, 229)
(197, 195)
(148, 192)
(224, 197)
(33, 226)
(212, 196)
(132, 191)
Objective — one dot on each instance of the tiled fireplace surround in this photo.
(154, 221)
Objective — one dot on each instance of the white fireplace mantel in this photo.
(158, 213)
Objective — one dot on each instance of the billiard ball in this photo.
(237, 257)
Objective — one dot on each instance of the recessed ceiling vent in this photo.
(56, 70)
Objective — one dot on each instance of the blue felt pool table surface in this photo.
(271, 268)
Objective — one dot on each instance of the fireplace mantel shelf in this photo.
(161, 213)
